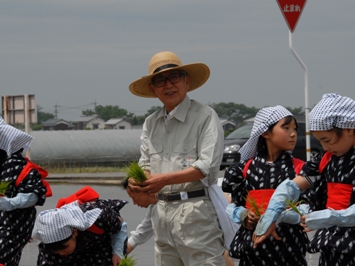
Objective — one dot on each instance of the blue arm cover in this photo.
(292, 217)
(237, 214)
(20, 201)
(287, 189)
(329, 217)
(118, 239)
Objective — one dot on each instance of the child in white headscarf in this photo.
(331, 177)
(266, 161)
(86, 234)
(25, 190)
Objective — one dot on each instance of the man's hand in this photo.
(270, 231)
(116, 260)
(154, 183)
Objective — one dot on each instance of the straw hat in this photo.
(165, 61)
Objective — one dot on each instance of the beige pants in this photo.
(187, 233)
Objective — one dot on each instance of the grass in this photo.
(128, 261)
(136, 172)
(293, 205)
(3, 187)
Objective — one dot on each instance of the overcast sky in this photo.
(75, 53)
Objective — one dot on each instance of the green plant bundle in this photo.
(293, 204)
(136, 172)
(257, 208)
(4, 186)
(128, 261)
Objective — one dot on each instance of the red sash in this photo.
(27, 169)
(260, 198)
(339, 195)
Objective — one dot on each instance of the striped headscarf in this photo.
(13, 139)
(332, 110)
(263, 120)
(57, 224)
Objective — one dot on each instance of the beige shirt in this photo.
(193, 137)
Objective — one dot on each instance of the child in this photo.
(85, 234)
(266, 161)
(331, 177)
(25, 190)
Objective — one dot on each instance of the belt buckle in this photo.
(166, 196)
(183, 195)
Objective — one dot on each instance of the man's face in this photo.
(170, 94)
(139, 198)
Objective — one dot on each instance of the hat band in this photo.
(164, 67)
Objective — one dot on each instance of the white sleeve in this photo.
(143, 232)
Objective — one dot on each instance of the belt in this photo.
(182, 195)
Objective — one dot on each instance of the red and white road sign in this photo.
(291, 10)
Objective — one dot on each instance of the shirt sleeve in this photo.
(210, 147)
(143, 232)
(144, 160)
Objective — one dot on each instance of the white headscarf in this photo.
(13, 139)
(263, 120)
(57, 224)
(333, 110)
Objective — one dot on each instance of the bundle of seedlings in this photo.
(257, 208)
(136, 172)
(128, 261)
(3, 187)
(293, 204)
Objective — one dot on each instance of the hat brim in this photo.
(198, 73)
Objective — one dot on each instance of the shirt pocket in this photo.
(184, 154)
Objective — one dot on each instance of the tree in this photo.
(296, 110)
(42, 116)
(107, 112)
(152, 110)
(236, 113)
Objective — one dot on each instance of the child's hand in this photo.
(116, 260)
(304, 225)
(251, 220)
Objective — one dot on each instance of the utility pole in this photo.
(56, 111)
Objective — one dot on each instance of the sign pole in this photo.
(308, 136)
(291, 11)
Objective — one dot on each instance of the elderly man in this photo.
(181, 150)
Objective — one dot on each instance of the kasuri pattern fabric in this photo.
(291, 250)
(333, 110)
(13, 139)
(92, 249)
(57, 224)
(263, 120)
(336, 244)
(16, 226)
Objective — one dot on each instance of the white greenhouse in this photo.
(85, 147)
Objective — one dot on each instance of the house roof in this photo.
(226, 121)
(114, 121)
(86, 118)
(53, 122)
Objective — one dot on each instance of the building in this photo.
(117, 123)
(88, 122)
(227, 125)
(56, 124)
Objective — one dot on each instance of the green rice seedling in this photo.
(128, 261)
(136, 172)
(293, 205)
(259, 209)
(3, 187)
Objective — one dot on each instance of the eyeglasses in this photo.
(173, 78)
